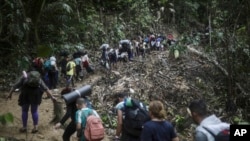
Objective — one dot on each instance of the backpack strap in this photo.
(209, 131)
(86, 113)
(136, 104)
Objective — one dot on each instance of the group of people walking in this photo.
(69, 68)
(136, 47)
(151, 124)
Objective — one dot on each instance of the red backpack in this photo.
(94, 130)
(37, 62)
(85, 64)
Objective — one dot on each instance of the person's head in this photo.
(66, 90)
(198, 109)
(70, 58)
(156, 110)
(120, 97)
(81, 103)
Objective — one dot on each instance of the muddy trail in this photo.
(157, 76)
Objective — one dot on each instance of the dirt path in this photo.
(152, 75)
(46, 130)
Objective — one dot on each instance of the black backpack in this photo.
(223, 135)
(125, 46)
(68, 67)
(135, 117)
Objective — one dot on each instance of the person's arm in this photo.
(199, 136)
(119, 124)
(10, 93)
(18, 84)
(56, 68)
(88, 60)
(78, 124)
(48, 92)
(65, 117)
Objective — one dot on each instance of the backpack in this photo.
(47, 65)
(37, 62)
(223, 135)
(135, 116)
(94, 130)
(125, 46)
(68, 67)
(33, 79)
(85, 64)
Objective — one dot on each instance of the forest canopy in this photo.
(220, 28)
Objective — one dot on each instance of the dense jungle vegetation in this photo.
(219, 28)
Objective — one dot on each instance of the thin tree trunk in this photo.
(37, 39)
(77, 11)
(210, 28)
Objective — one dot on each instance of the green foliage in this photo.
(110, 122)
(179, 47)
(179, 121)
(7, 118)
(44, 51)
(30, 28)
(23, 63)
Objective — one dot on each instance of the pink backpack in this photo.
(94, 130)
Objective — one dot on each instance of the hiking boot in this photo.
(34, 131)
(23, 130)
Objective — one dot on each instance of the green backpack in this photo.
(33, 79)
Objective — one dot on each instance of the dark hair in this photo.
(66, 90)
(199, 107)
(122, 95)
(119, 95)
(81, 101)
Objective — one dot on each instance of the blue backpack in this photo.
(47, 65)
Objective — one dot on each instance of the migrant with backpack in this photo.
(37, 64)
(131, 115)
(50, 75)
(105, 57)
(210, 127)
(125, 46)
(70, 71)
(78, 67)
(86, 63)
(32, 88)
(53, 73)
(63, 63)
(88, 123)
(71, 110)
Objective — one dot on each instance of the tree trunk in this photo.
(210, 28)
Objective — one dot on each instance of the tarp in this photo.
(104, 46)
(124, 41)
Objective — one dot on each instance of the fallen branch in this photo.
(213, 61)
